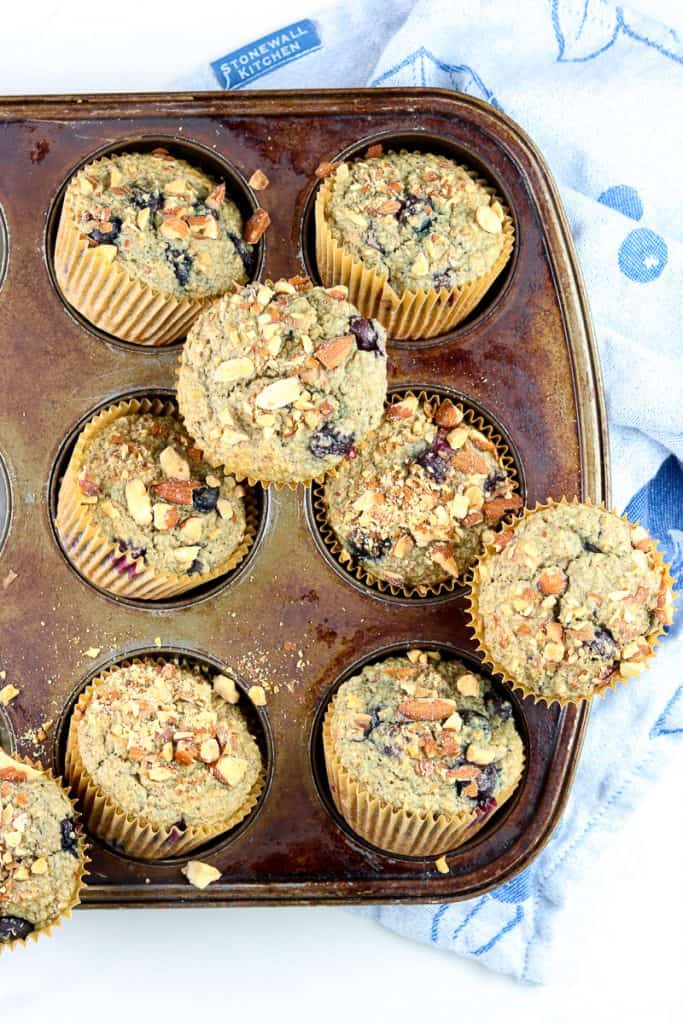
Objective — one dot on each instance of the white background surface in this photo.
(617, 950)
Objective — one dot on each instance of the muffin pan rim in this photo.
(5, 246)
(206, 157)
(6, 493)
(7, 738)
(497, 293)
(187, 598)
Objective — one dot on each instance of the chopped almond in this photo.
(325, 168)
(332, 353)
(256, 226)
(259, 181)
(428, 709)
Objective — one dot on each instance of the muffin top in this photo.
(40, 862)
(151, 493)
(411, 509)
(427, 736)
(421, 219)
(571, 599)
(163, 745)
(165, 223)
(279, 384)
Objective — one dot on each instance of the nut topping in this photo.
(186, 555)
(427, 709)
(279, 394)
(199, 874)
(177, 492)
(257, 695)
(333, 352)
(552, 581)
(325, 168)
(173, 228)
(225, 688)
(234, 369)
(191, 529)
(256, 226)
(259, 181)
(448, 415)
(468, 686)
(138, 502)
(230, 770)
(203, 227)
(486, 219)
(209, 751)
(173, 464)
(165, 516)
(402, 410)
(216, 198)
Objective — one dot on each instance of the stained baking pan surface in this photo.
(290, 619)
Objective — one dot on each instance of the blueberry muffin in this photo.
(419, 753)
(144, 241)
(141, 513)
(162, 758)
(280, 383)
(41, 853)
(412, 508)
(570, 600)
(417, 238)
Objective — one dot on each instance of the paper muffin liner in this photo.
(471, 418)
(411, 315)
(135, 835)
(477, 626)
(83, 860)
(96, 284)
(96, 557)
(395, 830)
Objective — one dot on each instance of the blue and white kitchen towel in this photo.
(599, 87)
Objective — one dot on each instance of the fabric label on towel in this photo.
(245, 65)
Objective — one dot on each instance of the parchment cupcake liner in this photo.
(96, 557)
(393, 829)
(83, 858)
(477, 626)
(134, 834)
(96, 284)
(411, 315)
(471, 418)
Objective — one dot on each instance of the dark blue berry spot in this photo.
(244, 252)
(366, 334)
(366, 545)
(494, 481)
(14, 928)
(603, 644)
(434, 465)
(107, 237)
(143, 199)
(204, 499)
(69, 840)
(327, 440)
(181, 262)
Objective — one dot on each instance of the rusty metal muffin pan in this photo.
(288, 619)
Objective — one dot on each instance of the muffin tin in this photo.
(287, 618)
